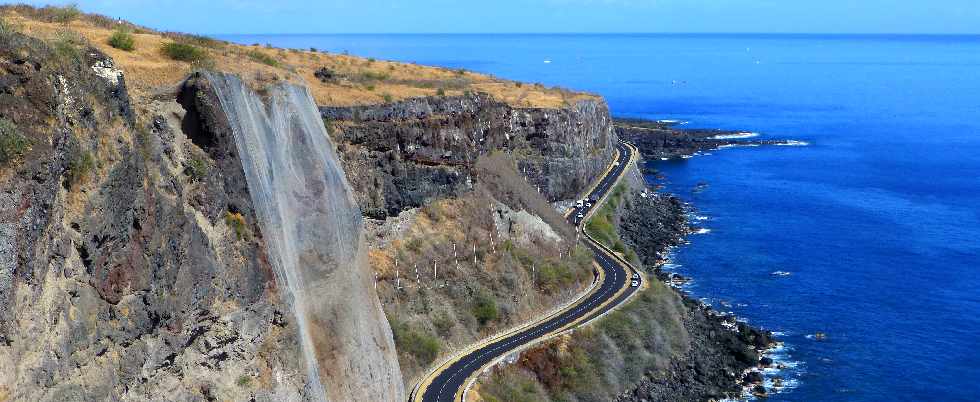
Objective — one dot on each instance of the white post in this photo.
(455, 257)
(397, 278)
(375, 281)
(474, 254)
(435, 270)
(418, 278)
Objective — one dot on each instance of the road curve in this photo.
(448, 382)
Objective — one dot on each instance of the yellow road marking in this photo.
(422, 387)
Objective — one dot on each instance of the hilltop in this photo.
(333, 79)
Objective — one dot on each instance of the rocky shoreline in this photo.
(665, 140)
(726, 356)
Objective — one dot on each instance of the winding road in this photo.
(612, 287)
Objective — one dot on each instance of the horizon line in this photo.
(615, 33)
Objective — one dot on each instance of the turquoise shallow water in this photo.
(878, 220)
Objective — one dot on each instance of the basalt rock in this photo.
(120, 278)
(649, 222)
(399, 155)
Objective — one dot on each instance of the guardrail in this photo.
(588, 237)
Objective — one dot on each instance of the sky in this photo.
(545, 16)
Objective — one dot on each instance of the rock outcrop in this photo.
(133, 265)
(400, 155)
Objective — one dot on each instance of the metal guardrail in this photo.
(588, 237)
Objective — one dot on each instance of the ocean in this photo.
(877, 221)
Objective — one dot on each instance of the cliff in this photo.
(400, 155)
(198, 235)
(122, 275)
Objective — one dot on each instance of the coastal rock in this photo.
(752, 377)
(659, 140)
(400, 155)
(119, 275)
(650, 224)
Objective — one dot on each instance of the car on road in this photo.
(580, 216)
(616, 163)
(579, 203)
(636, 276)
(588, 205)
(635, 284)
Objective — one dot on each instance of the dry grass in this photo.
(358, 81)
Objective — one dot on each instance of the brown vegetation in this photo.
(504, 276)
(355, 81)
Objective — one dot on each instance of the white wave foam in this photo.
(793, 143)
(737, 145)
(736, 136)
(702, 231)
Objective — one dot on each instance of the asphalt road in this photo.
(449, 380)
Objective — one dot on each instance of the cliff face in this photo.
(120, 277)
(135, 261)
(133, 265)
(313, 231)
(400, 155)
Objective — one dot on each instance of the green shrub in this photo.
(201, 40)
(511, 386)
(80, 168)
(443, 323)
(243, 381)
(263, 58)
(183, 52)
(485, 309)
(440, 92)
(414, 245)
(387, 98)
(236, 221)
(66, 46)
(6, 27)
(373, 76)
(424, 347)
(196, 169)
(63, 15)
(328, 123)
(12, 144)
(122, 40)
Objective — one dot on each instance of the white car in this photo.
(588, 205)
(635, 284)
(580, 216)
(636, 276)
(616, 163)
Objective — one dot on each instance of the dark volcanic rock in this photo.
(657, 140)
(119, 277)
(710, 369)
(399, 155)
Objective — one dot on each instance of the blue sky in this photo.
(525, 16)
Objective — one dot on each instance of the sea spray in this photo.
(312, 228)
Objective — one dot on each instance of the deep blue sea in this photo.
(877, 220)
